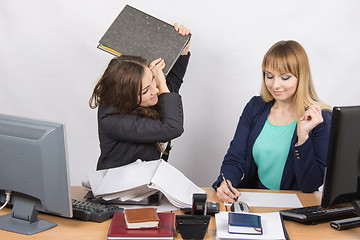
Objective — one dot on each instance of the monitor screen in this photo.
(342, 177)
(34, 167)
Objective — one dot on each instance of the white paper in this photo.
(124, 178)
(271, 225)
(128, 194)
(95, 178)
(175, 185)
(137, 179)
(140, 197)
(279, 200)
(164, 206)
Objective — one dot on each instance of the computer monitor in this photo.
(33, 165)
(342, 177)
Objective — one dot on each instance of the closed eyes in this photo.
(283, 76)
(146, 89)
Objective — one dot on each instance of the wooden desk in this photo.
(77, 230)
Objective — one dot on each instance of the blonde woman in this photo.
(281, 140)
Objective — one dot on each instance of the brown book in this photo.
(141, 218)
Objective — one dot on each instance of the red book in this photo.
(118, 230)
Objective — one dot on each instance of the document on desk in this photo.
(134, 176)
(177, 188)
(271, 225)
(279, 200)
(137, 179)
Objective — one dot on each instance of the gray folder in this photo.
(137, 33)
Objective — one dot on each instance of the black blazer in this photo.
(126, 138)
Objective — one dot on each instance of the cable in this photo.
(7, 200)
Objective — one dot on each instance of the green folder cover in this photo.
(134, 32)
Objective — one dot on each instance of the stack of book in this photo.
(142, 223)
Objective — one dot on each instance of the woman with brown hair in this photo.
(139, 110)
(282, 136)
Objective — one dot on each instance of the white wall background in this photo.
(49, 65)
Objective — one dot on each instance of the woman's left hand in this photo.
(311, 118)
(156, 68)
(182, 30)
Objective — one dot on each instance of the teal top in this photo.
(270, 152)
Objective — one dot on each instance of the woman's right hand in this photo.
(311, 118)
(156, 68)
(182, 30)
(224, 194)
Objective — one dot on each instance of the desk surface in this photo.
(74, 229)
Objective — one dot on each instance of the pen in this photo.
(227, 183)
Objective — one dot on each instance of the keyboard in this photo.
(94, 212)
(315, 214)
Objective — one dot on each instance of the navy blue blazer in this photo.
(304, 168)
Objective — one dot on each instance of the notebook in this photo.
(141, 218)
(272, 227)
(117, 229)
(244, 223)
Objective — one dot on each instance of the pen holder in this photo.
(192, 226)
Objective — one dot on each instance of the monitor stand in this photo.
(24, 219)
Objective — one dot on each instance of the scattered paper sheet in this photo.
(279, 200)
(174, 185)
(138, 179)
(164, 206)
(123, 178)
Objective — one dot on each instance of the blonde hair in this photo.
(290, 57)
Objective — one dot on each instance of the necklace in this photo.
(277, 118)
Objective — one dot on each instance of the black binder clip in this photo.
(194, 226)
